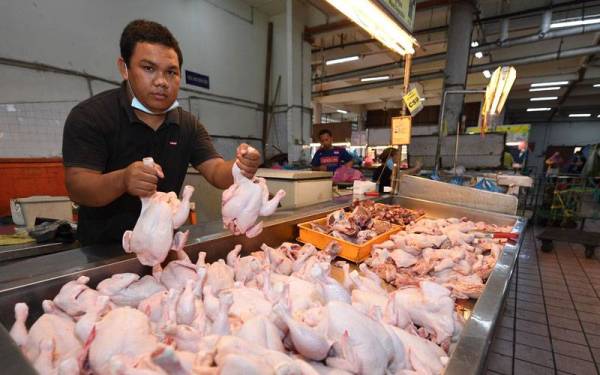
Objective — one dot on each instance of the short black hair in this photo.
(387, 153)
(325, 131)
(140, 31)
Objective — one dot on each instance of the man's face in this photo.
(325, 140)
(522, 146)
(154, 75)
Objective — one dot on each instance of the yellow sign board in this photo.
(401, 130)
(413, 102)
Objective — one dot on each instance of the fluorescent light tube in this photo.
(342, 111)
(542, 98)
(545, 89)
(422, 99)
(341, 60)
(538, 109)
(474, 44)
(543, 84)
(371, 79)
(487, 74)
(380, 25)
(479, 54)
(580, 115)
(597, 85)
(565, 23)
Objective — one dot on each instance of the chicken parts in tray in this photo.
(274, 311)
(246, 200)
(357, 227)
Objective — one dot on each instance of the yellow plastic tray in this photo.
(350, 251)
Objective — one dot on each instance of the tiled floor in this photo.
(551, 320)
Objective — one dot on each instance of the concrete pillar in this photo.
(317, 112)
(361, 112)
(457, 59)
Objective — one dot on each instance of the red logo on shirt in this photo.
(329, 159)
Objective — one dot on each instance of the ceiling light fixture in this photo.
(341, 60)
(580, 115)
(422, 99)
(579, 22)
(474, 44)
(542, 98)
(544, 84)
(544, 89)
(487, 74)
(479, 54)
(371, 79)
(379, 24)
(341, 111)
(597, 85)
(538, 109)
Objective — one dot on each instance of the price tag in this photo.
(413, 102)
(401, 130)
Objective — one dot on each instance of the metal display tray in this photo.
(33, 280)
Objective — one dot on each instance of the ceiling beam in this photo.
(532, 38)
(473, 69)
(580, 77)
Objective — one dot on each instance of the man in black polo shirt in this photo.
(107, 136)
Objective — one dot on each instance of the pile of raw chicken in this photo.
(393, 213)
(356, 227)
(275, 311)
(456, 253)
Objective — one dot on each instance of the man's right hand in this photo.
(140, 180)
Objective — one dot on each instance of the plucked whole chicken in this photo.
(246, 200)
(161, 214)
(274, 311)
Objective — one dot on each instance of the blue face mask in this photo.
(389, 164)
(135, 103)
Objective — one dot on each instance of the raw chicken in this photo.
(161, 214)
(123, 331)
(429, 307)
(244, 201)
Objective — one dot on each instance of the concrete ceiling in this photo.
(432, 16)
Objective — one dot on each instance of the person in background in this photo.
(521, 159)
(553, 162)
(507, 159)
(383, 173)
(577, 163)
(329, 158)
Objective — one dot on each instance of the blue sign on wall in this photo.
(197, 79)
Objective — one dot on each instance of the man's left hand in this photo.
(248, 159)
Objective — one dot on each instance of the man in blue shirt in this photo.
(329, 158)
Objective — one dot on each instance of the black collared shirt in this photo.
(104, 134)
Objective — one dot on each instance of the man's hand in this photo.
(140, 180)
(248, 160)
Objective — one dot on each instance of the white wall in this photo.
(222, 39)
(561, 134)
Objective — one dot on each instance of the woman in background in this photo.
(383, 174)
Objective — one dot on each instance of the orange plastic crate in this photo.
(350, 251)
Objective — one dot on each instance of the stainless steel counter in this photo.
(35, 279)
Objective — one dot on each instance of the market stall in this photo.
(46, 274)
